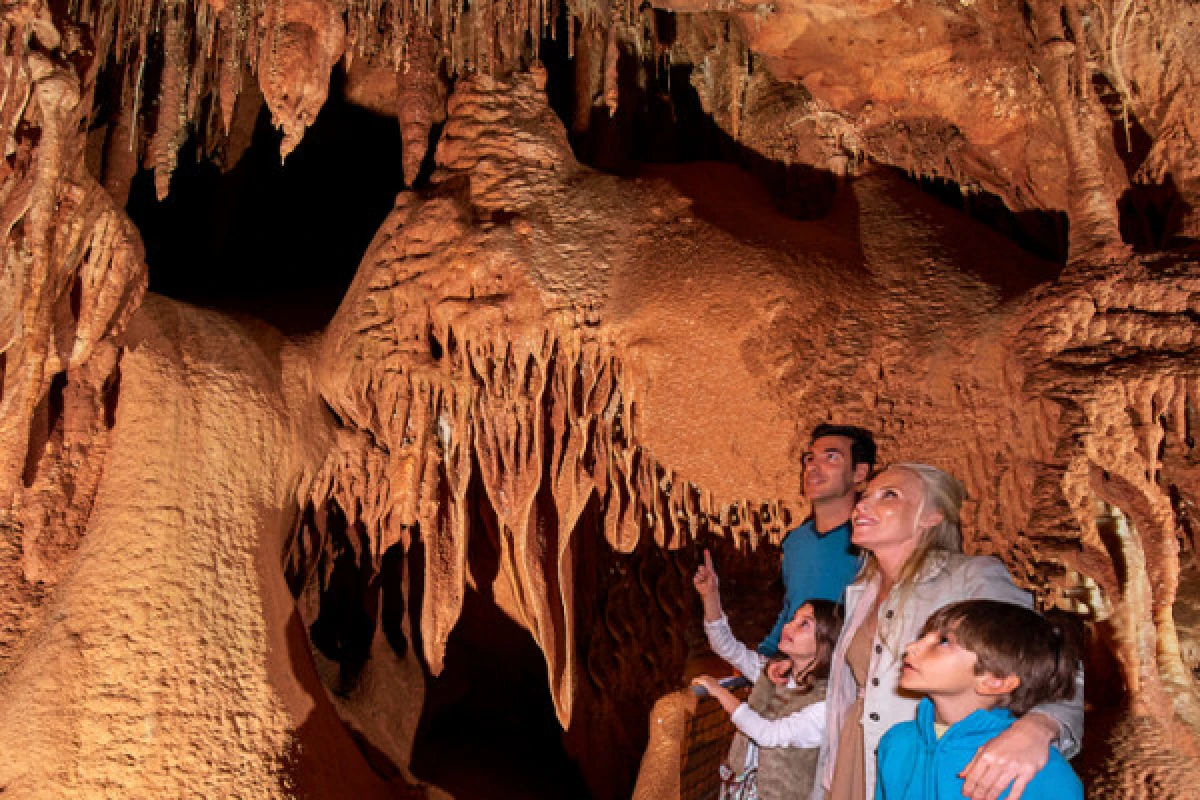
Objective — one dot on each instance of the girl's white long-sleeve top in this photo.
(805, 728)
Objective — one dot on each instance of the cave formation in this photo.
(299, 480)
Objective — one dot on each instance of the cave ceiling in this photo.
(545, 383)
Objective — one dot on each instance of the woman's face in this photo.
(885, 518)
(799, 637)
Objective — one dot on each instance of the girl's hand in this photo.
(705, 580)
(779, 670)
(726, 698)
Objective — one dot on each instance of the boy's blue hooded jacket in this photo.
(914, 764)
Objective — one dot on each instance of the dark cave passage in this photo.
(488, 729)
(486, 726)
(279, 241)
(661, 120)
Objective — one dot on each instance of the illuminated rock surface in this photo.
(233, 563)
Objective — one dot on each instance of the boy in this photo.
(979, 663)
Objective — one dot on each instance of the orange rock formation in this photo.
(546, 383)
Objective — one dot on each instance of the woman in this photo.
(907, 524)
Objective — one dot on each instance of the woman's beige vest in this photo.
(783, 772)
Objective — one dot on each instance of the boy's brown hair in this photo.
(1011, 640)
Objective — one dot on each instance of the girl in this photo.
(779, 729)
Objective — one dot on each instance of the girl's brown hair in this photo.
(828, 618)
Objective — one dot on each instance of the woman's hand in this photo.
(718, 692)
(1013, 757)
(706, 583)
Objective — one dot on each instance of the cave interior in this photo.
(373, 374)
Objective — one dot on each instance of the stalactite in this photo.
(612, 58)
(444, 515)
(302, 42)
(420, 101)
(64, 237)
(198, 52)
(230, 43)
(170, 129)
(530, 418)
(532, 398)
(120, 158)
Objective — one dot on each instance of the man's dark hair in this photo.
(862, 443)
(1013, 640)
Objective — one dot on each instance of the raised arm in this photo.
(709, 588)
(716, 626)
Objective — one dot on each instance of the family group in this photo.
(900, 668)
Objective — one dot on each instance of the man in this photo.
(818, 559)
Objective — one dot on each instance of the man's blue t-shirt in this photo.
(814, 566)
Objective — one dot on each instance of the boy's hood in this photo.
(968, 733)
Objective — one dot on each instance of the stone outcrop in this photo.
(231, 561)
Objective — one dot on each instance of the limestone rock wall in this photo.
(547, 385)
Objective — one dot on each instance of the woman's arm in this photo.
(1011, 759)
(1019, 753)
(805, 728)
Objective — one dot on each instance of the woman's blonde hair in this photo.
(944, 494)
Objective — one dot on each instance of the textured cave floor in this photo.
(1128, 755)
(1136, 759)
(16, 594)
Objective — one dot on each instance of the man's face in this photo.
(828, 473)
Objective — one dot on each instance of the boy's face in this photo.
(937, 666)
